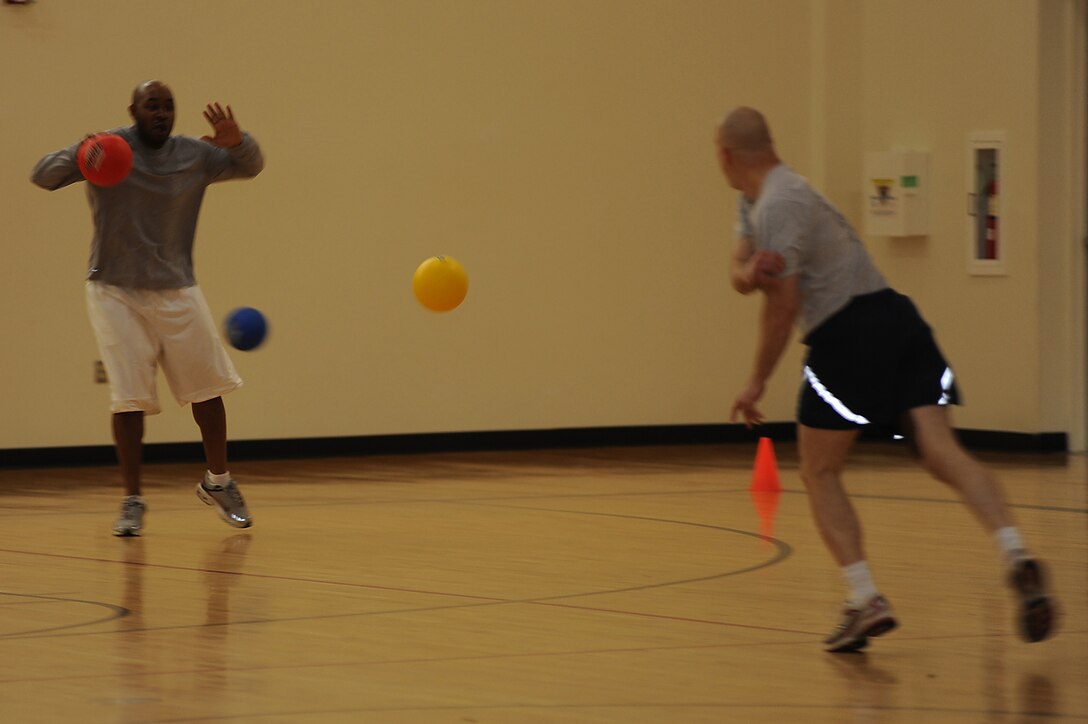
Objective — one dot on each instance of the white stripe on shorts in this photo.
(947, 379)
(836, 404)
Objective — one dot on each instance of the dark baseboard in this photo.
(1017, 442)
(495, 440)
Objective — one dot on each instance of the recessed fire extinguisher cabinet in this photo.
(986, 238)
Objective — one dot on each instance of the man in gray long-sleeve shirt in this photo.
(142, 296)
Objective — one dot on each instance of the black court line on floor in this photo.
(782, 551)
(670, 707)
(117, 612)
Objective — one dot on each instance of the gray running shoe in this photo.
(227, 500)
(872, 618)
(131, 521)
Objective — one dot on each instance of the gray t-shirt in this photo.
(817, 242)
(144, 226)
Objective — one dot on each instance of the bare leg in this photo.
(823, 455)
(128, 435)
(866, 613)
(945, 459)
(211, 417)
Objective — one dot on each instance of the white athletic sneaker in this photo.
(228, 501)
(131, 520)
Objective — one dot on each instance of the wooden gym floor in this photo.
(590, 585)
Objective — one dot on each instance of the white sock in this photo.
(860, 580)
(218, 479)
(1009, 542)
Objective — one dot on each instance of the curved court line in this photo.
(118, 612)
(782, 551)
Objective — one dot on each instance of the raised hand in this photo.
(227, 132)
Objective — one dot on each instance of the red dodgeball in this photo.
(105, 159)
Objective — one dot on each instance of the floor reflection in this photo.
(221, 566)
(870, 689)
(138, 660)
(1038, 697)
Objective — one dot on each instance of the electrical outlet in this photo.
(99, 372)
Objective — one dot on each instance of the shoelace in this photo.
(235, 495)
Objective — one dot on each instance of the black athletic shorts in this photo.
(871, 362)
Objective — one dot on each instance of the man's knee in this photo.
(933, 439)
(820, 473)
(823, 454)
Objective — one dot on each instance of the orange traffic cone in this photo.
(766, 505)
(765, 475)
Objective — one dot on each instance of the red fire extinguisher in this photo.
(991, 219)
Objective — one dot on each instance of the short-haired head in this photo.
(153, 110)
(745, 129)
(745, 149)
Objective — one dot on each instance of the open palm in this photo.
(227, 132)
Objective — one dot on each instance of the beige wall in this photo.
(947, 69)
(562, 152)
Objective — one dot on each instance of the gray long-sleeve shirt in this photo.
(144, 226)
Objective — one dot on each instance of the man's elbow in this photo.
(742, 282)
(43, 183)
(257, 167)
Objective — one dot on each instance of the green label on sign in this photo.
(908, 182)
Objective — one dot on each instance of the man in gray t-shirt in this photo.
(142, 297)
(872, 360)
(792, 220)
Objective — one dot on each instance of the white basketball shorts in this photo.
(140, 329)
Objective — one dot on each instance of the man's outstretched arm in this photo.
(781, 303)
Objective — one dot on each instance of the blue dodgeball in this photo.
(246, 328)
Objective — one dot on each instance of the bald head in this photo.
(745, 149)
(153, 110)
(745, 129)
(156, 87)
